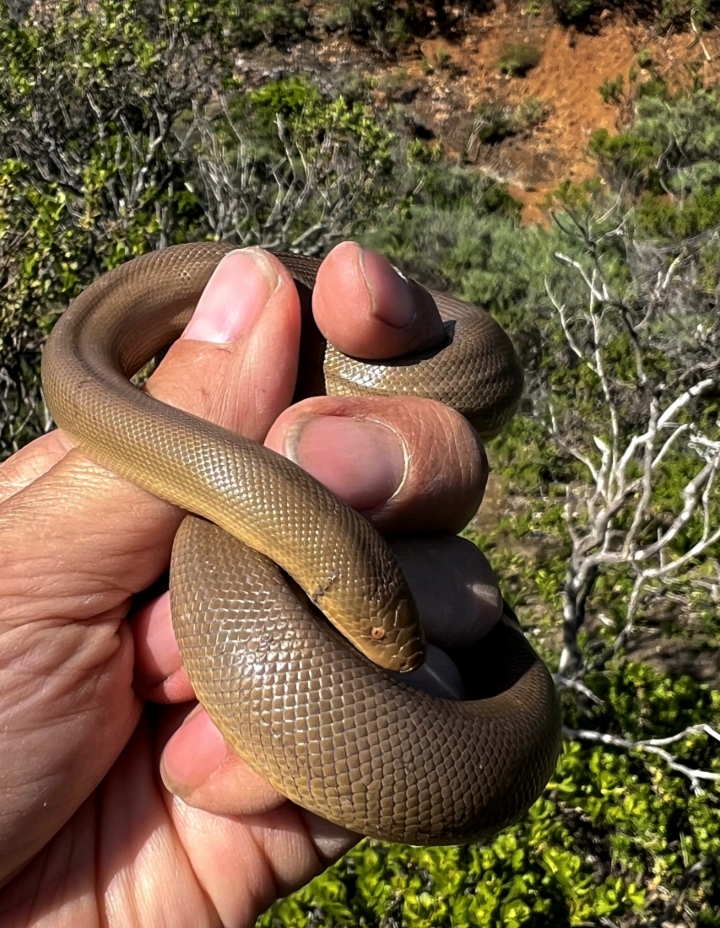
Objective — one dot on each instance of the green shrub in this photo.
(611, 91)
(382, 24)
(655, 87)
(517, 59)
(625, 158)
(108, 85)
(494, 121)
(660, 216)
(667, 138)
(443, 58)
(664, 15)
(278, 22)
(448, 225)
(531, 112)
(575, 11)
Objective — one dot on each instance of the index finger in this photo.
(367, 309)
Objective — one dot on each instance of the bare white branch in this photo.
(656, 746)
(612, 521)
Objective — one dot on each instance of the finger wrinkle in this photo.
(31, 462)
(445, 471)
(445, 466)
(41, 587)
(287, 855)
(55, 658)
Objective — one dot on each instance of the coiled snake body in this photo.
(325, 725)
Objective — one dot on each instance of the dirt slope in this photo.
(442, 83)
(567, 80)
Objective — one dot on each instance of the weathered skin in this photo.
(326, 726)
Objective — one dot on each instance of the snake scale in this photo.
(314, 714)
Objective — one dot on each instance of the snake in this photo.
(289, 608)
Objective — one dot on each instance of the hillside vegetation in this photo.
(126, 128)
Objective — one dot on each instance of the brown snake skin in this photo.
(325, 725)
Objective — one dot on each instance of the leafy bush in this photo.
(279, 22)
(575, 11)
(447, 226)
(380, 23)
(390, 25)
(85, 182)
(531, 112)
(109, 148)
(668, 137)
(611, 91)
(494, 121)
(664, 14)
(517, 59)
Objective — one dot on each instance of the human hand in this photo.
(89, 832)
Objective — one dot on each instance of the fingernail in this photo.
(234, 298)
(193, 753)
(393, 301)
(360, 461)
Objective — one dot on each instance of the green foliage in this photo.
(683, 14)
(448, 225)
(106, 144)
(389, 26)
(531, 112)
(288, 98)
(494, 120)
(379, 23)
(575, 11)
(443, 58)
(668, 139)
(657, 215)
(277, 22)
(612, 91)
(517, 59)
(337, 158)
(665, 15)
(313, 118)
(79, 193)
(623, 157)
